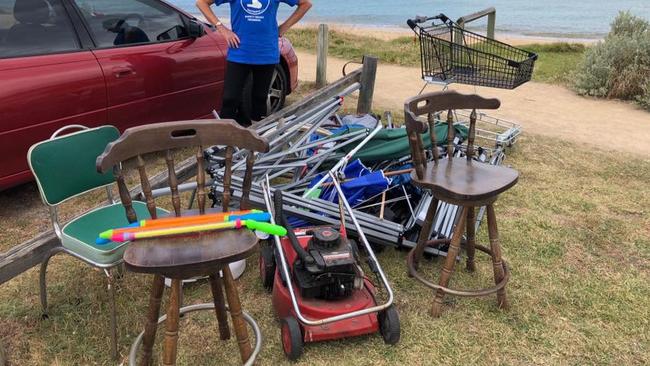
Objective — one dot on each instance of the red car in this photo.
(119, 62)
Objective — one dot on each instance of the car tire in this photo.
(276, 96)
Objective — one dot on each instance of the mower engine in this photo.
(331, 270)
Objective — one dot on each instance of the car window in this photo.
(35, 27)
(125, 22)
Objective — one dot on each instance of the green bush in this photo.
(619, 66)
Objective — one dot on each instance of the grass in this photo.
(555, 64)
(575, 232)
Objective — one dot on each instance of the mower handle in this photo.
(281, 219)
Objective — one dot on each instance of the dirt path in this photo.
(540, 108)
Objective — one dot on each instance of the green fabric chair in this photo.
(64, 167)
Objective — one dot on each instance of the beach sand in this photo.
(540, 108)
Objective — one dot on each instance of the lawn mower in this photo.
(319, 290)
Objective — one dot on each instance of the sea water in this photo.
(550, 18)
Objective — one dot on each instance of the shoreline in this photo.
(388, 33)
(393, 32)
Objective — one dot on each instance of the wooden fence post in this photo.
(490, 13)
(321, 50)
(492, 20)
(368, 75)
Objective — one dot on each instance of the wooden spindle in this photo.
(450, 134)
(432, 136)
(146, 188)
(248, 180)
(200, 180)
(416, 153)
(471, 135)
(227, 178)
(125, 197)
(173, 183)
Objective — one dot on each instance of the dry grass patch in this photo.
(574, 232)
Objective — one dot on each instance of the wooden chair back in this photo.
(165, 137)
(431, 103)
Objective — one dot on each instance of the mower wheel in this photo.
(389, 325)
(267, 267)
(292, 342)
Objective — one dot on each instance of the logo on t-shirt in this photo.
(255, 7)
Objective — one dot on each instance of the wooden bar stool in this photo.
(459, 181)
(183, 257)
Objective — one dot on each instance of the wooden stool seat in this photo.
(190, 255)
(461, 180)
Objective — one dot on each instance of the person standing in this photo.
(252, 49)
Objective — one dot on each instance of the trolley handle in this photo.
(415, 22)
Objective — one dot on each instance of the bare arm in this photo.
(303, 7)
(206, 10)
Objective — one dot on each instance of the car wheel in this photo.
(278, 91)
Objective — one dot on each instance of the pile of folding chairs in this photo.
(371, 157)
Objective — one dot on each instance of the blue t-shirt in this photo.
(255, 23)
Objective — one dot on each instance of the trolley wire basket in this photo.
(452, 54)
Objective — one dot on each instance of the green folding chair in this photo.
(64, 167)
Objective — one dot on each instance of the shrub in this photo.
(619, 66)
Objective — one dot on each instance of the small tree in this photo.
(619, 66)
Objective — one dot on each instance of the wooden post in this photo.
(490, 13)
(492, 20)
(368, 76)
(321, 50)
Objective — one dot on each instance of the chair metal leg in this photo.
(43, 280)
(245, 349)
(216, 285)
(171, 334)
(450, 261)
(151, 325)
(497, 263)
(113, 311)
(470, 246)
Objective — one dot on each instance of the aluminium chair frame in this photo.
(105, 268)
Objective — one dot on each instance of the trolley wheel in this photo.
(389, 325)
(267, 267)
(292, 342)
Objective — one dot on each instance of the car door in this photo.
(154, 71)
(48, 79)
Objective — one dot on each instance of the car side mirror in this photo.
(194, 29)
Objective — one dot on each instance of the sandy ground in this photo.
(540, 108)
(389, 33)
